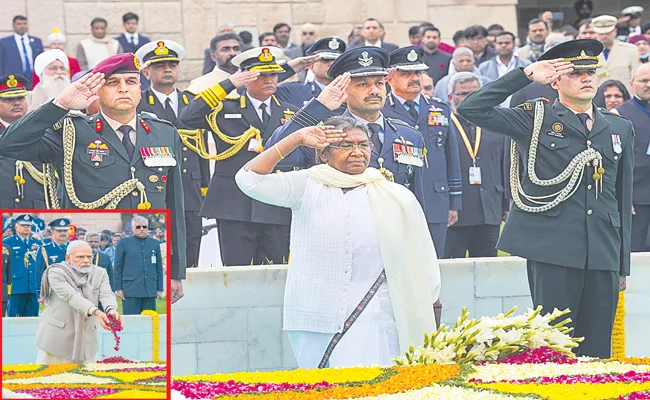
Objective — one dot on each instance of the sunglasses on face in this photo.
(141, 227)
(309, 33)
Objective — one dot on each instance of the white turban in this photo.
(47, 57)
(55, 36)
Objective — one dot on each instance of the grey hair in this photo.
(462, 77)
(91, 234)
(75, 244)
(548, 46)
(139, 218)
(460, 51)
(343, 124)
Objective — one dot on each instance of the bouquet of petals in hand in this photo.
(492, 339)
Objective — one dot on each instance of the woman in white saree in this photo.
(363, 273)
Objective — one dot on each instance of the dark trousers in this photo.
(23, 305)
(251, 243)
(591, 295)
(194, 233)
(4, 309)
(438, 234)
(640, 225)
(135, 305)
(479, 240)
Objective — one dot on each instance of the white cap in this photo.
(47, 57)
(632, 10)
(604, 23)
(160, 50)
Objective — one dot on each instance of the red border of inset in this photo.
(170, 237)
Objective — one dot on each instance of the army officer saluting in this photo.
(572, 208)
(113, 159)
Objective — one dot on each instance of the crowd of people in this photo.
(447, 123)
(31, 245)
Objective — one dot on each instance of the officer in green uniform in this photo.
(116, 158)
(572, 197)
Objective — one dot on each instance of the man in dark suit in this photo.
(441, 172)
(637, 110)
(372, 34)
(481, 164)
(138, 270)
(167, 102)
(250, 232)
(131, 40)
(99, 258)
(437, 60)
(574, 232)
(27, 191)
(18, 51)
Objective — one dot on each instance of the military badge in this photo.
(333, 44)
(153, 178)
(265, 56)
(161, 50)
(145, 126)
(412, 56)
(185, 100)
(440, 140)
(12, 82)
(557, 127)
(158, 156)
(151, 101)
(616, 144)
(97, 150)
(365, 60)
(136, 62)
(526, 106)
(404, 152)
(99, 125)
(160, 188)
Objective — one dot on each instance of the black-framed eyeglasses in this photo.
(141, 227)
(309, 33)
(349, 147)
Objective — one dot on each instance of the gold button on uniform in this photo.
(615, 157)
(17, 200)
(553, 145)
(589, 212)
(184, 159)
(184, 148)
(588, 142)
(96, 164)
(134, 194)
(588, 187)
(184, 171)
(160, 169)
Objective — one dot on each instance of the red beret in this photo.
(120, 63)
(637, 38)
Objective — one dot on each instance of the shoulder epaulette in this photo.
(153, 117)
(393, 121)
(433, 98)
(233, 96)
(76, 113)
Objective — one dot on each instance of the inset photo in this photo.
(84, 304)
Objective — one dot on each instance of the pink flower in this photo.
(62, 393)
(202, 390)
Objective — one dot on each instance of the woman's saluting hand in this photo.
(319, 137)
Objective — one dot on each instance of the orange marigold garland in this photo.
(618, 333)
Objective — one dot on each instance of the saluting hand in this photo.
(241, 78)
(546, 72)
(82, 93)
(302, 63)
(336, 93)
(319, 137)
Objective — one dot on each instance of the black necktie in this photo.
(374, 137)
(583, 117)
(412, 110)
(170, 111)
(265, 116)
(126, 140)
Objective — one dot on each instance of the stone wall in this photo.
(193, 22)
(19, 338)
(231, 318)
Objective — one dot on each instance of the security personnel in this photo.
(21, 182)
(430, 116)
(398, 149)
(6, 276)
(25, 284)
(114, 159)
(54, 251)
(138, 269)
(572, 208)
(250, 232)
(38, 224)
(299, 93)
(167, 102)
(482, 163)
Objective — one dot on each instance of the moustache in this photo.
(17, 108)
(415, 83)
(369, 98)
